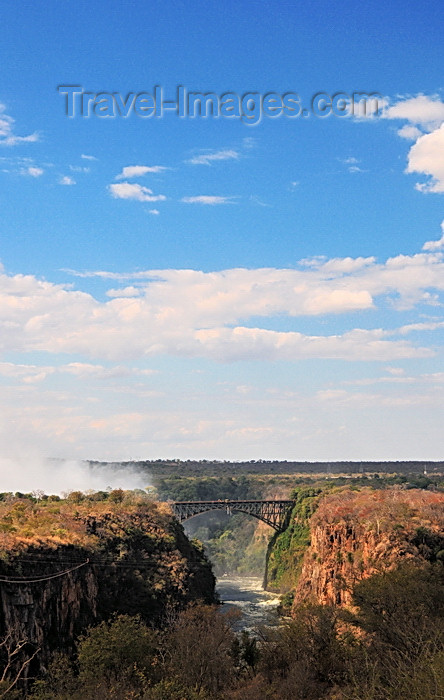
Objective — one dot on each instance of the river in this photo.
(257, 607)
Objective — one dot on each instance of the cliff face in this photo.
(125, 558)
(48, 614)
(356, 534)
(335, 538)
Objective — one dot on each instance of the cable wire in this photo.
(43, 578)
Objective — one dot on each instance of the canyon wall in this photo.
(336, 539)
(65, 567)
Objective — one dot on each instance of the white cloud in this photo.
(352, 164)
(409, 132)
(32, 171)
(154, 212)
(435, 245)
(395, 371)
(127, 190)
(66, 180)
(30, 374)
(427, 156)
(207, 199)
(124, 292)
(7, 136)
(240, 343)
(420, 326)
(79, 169)
(422, 110)
(138, 170)
(86, 157)
(84, 370)
(205, 314)
(213, 156)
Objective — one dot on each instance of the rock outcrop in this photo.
(65, 567)
(337, 536)
(354, 534)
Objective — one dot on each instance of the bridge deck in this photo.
(273, 512)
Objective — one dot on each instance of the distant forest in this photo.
(262, 466)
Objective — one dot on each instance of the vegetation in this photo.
(147, 646)
(408, 520)
(390, 647)
(205, 467)
(287, 549)
(238, 544)
(86, 558)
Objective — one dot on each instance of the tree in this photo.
(199, 649)
(15, 658)
(121, 652)
(401, 654)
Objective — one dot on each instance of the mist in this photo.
(27, 473)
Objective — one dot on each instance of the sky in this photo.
(257, 283)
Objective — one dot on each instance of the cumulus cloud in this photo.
(206, 314)
(213, 156)
(128, 190)
(435, 245)
(7, 135)
(86, 157)
(426, 154)
(240, 343)
(130, 171)
(422, 110)
(409, 132)
(207, 199)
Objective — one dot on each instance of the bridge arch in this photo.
(271, 512)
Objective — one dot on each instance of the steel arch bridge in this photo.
(274, 513)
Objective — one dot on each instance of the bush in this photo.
(122, 651)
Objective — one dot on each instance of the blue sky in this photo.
(208, 288)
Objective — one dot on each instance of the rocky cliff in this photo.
(336, 539)
(356, 534)
(67, 565)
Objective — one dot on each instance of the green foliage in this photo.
(207, 488)
(403, 607)
(401, 654)
(60, 681)
(287, 549)
(122, 649)
(430, 544)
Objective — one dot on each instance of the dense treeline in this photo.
(391, 647)
(165, 467)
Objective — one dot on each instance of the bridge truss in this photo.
(274, 513)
